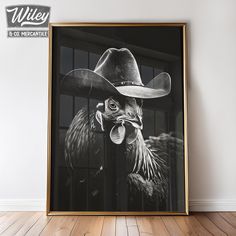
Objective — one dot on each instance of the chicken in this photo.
(121, 119)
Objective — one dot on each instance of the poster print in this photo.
(117, 119)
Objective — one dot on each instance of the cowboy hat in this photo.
(117, 73)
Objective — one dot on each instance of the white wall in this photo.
(212, 96)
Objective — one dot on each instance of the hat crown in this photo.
(119, 67)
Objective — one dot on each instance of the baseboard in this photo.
(194, 204)
(212, 205)
(22, 205)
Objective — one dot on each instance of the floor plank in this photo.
(29, 223)
(132, 226)
(109, 226)
(133, 230)
(18, 223)
(233, 213)
(39, 225)
(4, 217)
(9, 219)
(229, 218)
(88, 225)
(221, 223)
(209, 225)
(184, 225)
(2, 213)
(171, 226)
(131, 220)
(196, 226)
(144, 225)
(60, 225)
(121, 229)
(158, 227)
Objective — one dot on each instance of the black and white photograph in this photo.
(117, 119)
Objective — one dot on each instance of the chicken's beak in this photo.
(135, 122)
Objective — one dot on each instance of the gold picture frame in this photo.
(49, 210)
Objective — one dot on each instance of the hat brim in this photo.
(90, 81)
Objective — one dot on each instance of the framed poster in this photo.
(117, 130)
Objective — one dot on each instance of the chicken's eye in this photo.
(113, 106)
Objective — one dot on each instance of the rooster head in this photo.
(124, 114)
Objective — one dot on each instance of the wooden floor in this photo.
(36, 223)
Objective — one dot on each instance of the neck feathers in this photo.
(79, 136)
